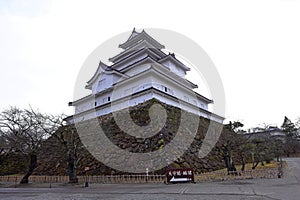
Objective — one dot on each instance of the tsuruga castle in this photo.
(142, 71)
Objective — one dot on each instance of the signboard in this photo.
(180, 175)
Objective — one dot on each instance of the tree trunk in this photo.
(32, 166)
(254, 166)
(227, 162)
(233, 168)
(229, 165)
(243, 163)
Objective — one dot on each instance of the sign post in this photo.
(147, 174)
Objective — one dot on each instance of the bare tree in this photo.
(3, 147)
(25, 131)
(3, 144)
(70, 141)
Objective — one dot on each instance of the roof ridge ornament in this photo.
(103, 64)
(134, 31)
(100, 62)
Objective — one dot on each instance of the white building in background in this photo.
(142, 71)
(265, 134)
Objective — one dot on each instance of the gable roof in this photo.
(102, 68)
(133, 34)
(136, 37)
(166, 74)
(164, 69)
(171, 57)
(148, 51)
(133, 49)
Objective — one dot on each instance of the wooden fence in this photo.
(110, 179)
(248, 174)
(91, 179)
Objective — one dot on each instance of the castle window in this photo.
(95, 103)
(164, 88)
(108, 98)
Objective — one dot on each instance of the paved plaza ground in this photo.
(286, 188)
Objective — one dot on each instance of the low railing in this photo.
(247, 174)
(123, 179)
(111, 179)
(91, 179)
(36, 179)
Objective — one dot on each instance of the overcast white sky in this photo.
(255, 46)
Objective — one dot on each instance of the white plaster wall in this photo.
(124, 103)
(138, 69)
(84, 117)
(187, 108)
(104, 111)
(129, 87)
(142, 87)
(106, 82)
(103, 99)
(178, 92)
(85, 105)
(116, 78)
(140, 99)
(173, 68)
(139, 84)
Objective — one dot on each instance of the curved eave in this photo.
(150, 53)
(185, 83)
(141, 93)
(101, 67)
(131, 51)
(74, 103)
(169, 74)
(203, 98)
(145, 60)
(164, 72)
(167, 71)
(112, 71)
(80, 100)
(192, 84)
(133, 34)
